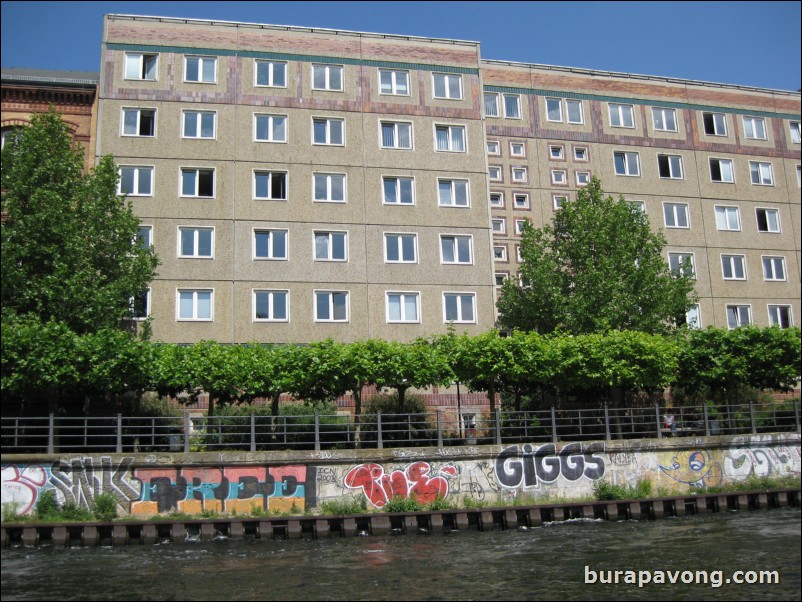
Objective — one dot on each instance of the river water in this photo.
(554, 561)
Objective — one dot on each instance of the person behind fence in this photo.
(670, 423)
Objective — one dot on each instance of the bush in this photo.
(403, 504)
(604, 490)
(73, 513)
(105, 507)
(345, 505)
(47, 508)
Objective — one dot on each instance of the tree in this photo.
(598, 267)
(69, 242)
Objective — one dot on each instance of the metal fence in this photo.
(254, 432)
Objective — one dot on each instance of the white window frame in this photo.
(396, 134)
(754, 128)
(768, 211)
(663, 125)
(517, 99)
(460, 319)
(329, 122)
(447, 79)
(138, 170)
(271, 293)
(453, 240)
(498, 225)
(451, 138)
(394, 84)
(674, 164)
(271, 254)
(329, 234)
(195, 232)
(198, 134)
(141, 318)
(330, 305)
(581, 153)
(397, 181)
(329, 188)
(500, 252)
(520, 154)
(141, 66)
(728, 218)
(556, 152)
(776, 318)
(490, 99)
(795, 129)
(402, 307)
(201, 68)
(772, 266)
(520, 174)
(146, 241)
(582, 178)
(550, 104)
(731, 263)
(677, 210)
(520, 196)
(676, 261)
(495, 173)
(271, 128)
(493, 144)
(693, 317)
(453, 184)
(397, 239)
(764, 168)
(327, 71)
(558, 201)
(621, 111)
(568, 103)
(629, 171)
(519, 225)
(195, 293)
(721, 163)
(736, 311)
(138, 111)
(271, 73)
(715, 122)
(270, 174)
(637, 205)
(559, 177)
(197, 171)
(496, 204)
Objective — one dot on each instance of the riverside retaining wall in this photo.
(297, 482)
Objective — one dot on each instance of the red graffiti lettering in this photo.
(380, 487)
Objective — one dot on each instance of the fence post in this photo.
(707, 420)
(796, 415)
(439, 430)
(657, 418)
(119, 433)
(253, 432)
(498, 426)
(379, 442)
(51, 435)
(752, 417)
(187, 429)
(553, 425)
(607, 421)
(317, 432)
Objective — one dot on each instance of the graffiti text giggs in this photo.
(526, 465)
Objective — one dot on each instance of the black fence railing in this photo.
(443, 428)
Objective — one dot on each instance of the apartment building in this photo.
(300, 184)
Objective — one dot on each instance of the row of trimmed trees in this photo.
(45, 362)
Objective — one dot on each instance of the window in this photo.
(796, 132)
(637, 205)
(715, 124)
(512, 106)
(762, 173)
(197, 182)
(693, 317)
(774, 268)
(558, 201)
(200, 69)
(329, 187)
(520, 224)
(135, 181)
(270, 185)
(721, 171)
(139, 122)
(331, 246)
(269, 128)
(327, 77)
(459, 307)
(499, 225)
(403, 307)
(394, 82)
(733, 267)
(755, 128)
(517, 149)
(8, 135)
(491, 104)
(728, 218)
(456, 249)
(270, 244)
(573, 109)
(400, 248)
(670, 166)
(519, 174)
(521, 201)
(554, 109)
(626, 163)
(556, 151)
(195, 242)
(665, 120)
(331, 306)
(493, 147)
(780, 315)
(271, 74)
(497, 199)
(739, 315)
(768, 220)
(582, 178)
(681, 263)
(494, 173)
(580, 153)
(144, 236)
(450, 138)
(447, 85)
(500, 253)
(199, 124)
(140, 305)
(141, 66)
(396, 135)
(622, 116)
(501, 277)
(675, 215)
(195, 305)
(327, 130)
(398, 191)
(271, 306)
(453, 193)
(559, 177)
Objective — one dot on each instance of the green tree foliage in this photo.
(598, 267)
(69, 250)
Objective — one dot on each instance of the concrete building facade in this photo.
(300, 184)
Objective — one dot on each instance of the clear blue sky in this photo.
(747, 43)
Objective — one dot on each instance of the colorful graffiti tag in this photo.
(527, 465)
(779, 461)
(380, 487)
(694, 467)
(81, 479)
(21, 486)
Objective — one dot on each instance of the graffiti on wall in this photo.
(780, 461)
(416, 480)
(21, 486)
(696, 468)
(80, 480)
(528, 466)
